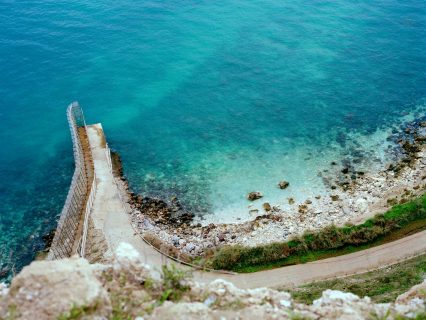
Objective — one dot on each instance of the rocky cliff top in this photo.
(126, 288)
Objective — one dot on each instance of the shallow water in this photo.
(205, 100)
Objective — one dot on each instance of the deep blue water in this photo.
(206, 100)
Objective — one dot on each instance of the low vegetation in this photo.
(130, 291)
(77, 312)
(174, 284)
(383, 285)
(398, 222)
(131, 298)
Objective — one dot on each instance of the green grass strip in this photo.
(400, 221)
(382, 286)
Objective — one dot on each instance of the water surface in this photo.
(206, 100)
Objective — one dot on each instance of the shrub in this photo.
(174, 282)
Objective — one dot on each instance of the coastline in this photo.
(350, 201)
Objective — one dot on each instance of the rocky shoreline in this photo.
(353, 197)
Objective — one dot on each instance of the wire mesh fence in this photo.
(68, 231)
(89, 204)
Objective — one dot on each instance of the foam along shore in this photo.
(349, 201)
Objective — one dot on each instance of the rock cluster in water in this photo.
(162, 212)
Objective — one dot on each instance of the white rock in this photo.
(147, 224)
(48, 289)
(125, 252)
(415, 292)
(210, 300)
(361, 204)
(285, 303)
(189, 247)
(4, 289)
(187, 311)
(329, 296)
(175, 239)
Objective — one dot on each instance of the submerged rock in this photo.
(253, 211)
(283, 184)
(254, 195)
(410, 148)
(267, 206)
(163, 212)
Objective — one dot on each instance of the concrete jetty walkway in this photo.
(109, 214)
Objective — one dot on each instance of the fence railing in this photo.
(89, 205)
(80, 195)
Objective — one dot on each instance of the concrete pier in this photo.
(109, 213)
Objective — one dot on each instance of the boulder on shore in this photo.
(49, 289)
(267, 206)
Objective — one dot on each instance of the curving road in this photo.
(109, 214)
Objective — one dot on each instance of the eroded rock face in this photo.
(224, 293)
(343, 305)
(173, 311)
(48, 289)
(418, 291)
(225, 301)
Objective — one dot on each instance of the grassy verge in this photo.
(383, 285)
(398, 222)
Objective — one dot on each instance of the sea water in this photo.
(204, 100)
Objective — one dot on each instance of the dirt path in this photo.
(349, 264)
(109, 215)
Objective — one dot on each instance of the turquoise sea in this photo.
(205, 100)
